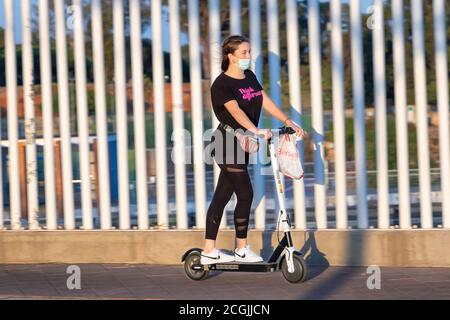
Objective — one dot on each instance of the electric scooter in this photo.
(285, 257)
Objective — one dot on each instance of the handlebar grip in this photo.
(286, 130)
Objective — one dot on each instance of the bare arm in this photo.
(240, 116)
(276, 112)
(272, 109)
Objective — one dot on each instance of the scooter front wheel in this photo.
(191, 267)
(300, 270)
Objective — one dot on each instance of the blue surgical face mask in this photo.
(244, 64)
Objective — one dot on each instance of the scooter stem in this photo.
(285, 226)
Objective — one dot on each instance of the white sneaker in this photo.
(215, 257)
(246, 255)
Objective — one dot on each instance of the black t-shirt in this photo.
(247, 92)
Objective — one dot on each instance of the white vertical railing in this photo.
(216, 69)
(82, 115)
(30, 120)
(337, 53)
(400, 113)
(274, 59)
(139, 114)
(379, 71)
(317, 112)
(64, 115)
(176, 76)
(440, 43)
(214, 44)
(295, 102)
(47, 115)
(195, 51)
(2, 210)
(420, 88)
(13, 134)
(255, 42)
(121, 114)
(359, 113)
(273, 43)
(197, 113)
(100, 113)
(235, 17)
(160, 115)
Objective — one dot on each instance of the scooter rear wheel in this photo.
(193, 259)
(299, 274)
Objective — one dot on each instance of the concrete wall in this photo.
(406, 248)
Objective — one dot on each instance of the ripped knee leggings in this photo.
(231, 180)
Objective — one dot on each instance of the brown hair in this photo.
(230, 45)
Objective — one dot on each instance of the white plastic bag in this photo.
(289, 158)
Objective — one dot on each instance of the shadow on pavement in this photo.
(315, 259)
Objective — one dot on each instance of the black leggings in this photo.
(231, 180)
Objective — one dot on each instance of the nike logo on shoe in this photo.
(243, 256)
(215, 258)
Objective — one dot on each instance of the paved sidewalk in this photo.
(170, 282)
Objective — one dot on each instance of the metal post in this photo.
(30, 119)
(338, 114)
(176, 74)
(440, 44)
(317, 113)
(47, 115)
(160, 116)
(197, 112)
(64, 115)
(100, 112)
(295, 102)
(13, 135)
(274, 58)
(82, 115)
(139, 114)
(401, 120)
(379, 71)
(255, 42)
(420, 88)
(235, 17)
(359, 113)
(274, 55)
(121, 114)
(2, 212)
(216, 69)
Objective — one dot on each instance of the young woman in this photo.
(237, 100)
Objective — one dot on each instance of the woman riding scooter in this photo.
(237, 99)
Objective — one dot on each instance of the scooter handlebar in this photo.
(285, 130)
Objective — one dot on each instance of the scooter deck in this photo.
(243, 267)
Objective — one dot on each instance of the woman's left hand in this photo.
(299, 132)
